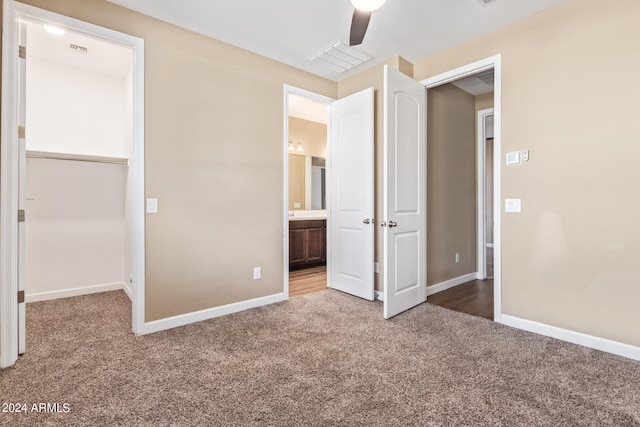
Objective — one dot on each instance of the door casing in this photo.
(495, 63)
(292, 90)
(481, 225)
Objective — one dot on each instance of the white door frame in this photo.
(9, 158)
(495, 63)
(481, 226)
(288, 90)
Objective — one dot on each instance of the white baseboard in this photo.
(451, 283)
(198, 316)
(126, 287)
(379, 295)
(614, 347)
(73, 292)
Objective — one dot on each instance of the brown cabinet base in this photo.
(307, 243)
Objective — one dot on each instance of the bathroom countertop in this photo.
(307, 215)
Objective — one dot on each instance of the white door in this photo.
(350, 181)
(22, 87)
(405, 196)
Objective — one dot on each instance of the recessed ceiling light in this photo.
(54, 30)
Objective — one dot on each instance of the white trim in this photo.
(14, 11)
(494, 62)
(378, 295)
(9, 191)
(126, 287)
(73, 292)
(614, 347)
(198, 316)
(451, 283)
(288, 89)
(481, 224)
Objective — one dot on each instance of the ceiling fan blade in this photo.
(359, 24)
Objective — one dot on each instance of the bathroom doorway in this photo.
(307, 146)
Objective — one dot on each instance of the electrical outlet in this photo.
(257, 273)
(457, 257)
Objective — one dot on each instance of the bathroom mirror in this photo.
(307, 183)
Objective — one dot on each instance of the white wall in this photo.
(74, 110)
(75, 226)
(77, 229)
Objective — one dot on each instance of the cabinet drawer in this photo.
(306, 223)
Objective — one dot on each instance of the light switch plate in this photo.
(152, 205)
(514, 158)
(512, 205)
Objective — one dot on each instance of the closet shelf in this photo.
(77, 157)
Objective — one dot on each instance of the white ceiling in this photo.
(308, 109)
(291, 31)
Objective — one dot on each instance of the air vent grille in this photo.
(78, 48)
(340, 57)
(485, 2)
(487, 77)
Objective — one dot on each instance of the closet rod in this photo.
(77, 157)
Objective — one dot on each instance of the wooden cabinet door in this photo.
(315, 244)
(297, 247)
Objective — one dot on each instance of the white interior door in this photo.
(22, 162)
(405, 194)
(350, 179)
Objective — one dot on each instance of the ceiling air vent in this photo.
(486, 77)
(340, 57)
(485, 2)
(78, 48)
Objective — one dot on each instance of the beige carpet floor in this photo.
(316, 360)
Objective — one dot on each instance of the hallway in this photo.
(475, 298)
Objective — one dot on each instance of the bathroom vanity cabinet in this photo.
(307, 243)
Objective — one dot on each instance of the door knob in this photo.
(392, 224)
(366, 221)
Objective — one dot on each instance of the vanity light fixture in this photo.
(300, 147)
(291, 148)
(367, 5)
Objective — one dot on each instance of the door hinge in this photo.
(21, 215)
(22, 132)
(22, 52)
(20, 297)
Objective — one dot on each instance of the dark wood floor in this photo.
(308, 280)
(475, 297)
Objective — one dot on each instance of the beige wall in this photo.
(313, 136)
(570, 259)
(214, 160)
(451, 184)
(484, 101)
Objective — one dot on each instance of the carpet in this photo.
(316, 360)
